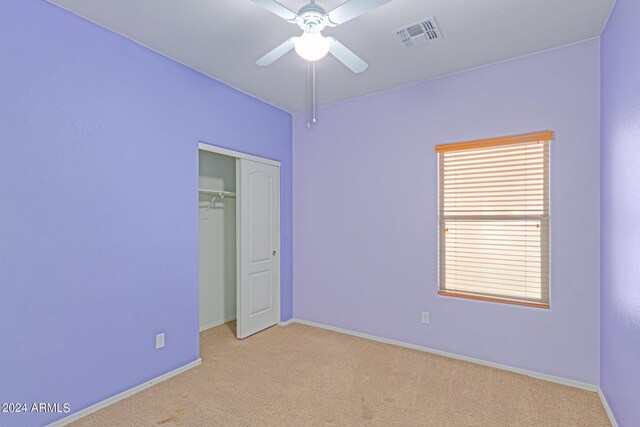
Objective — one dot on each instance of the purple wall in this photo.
(365, 212)
(98, 205)
(620, 294)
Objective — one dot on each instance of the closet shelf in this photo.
(217, 192)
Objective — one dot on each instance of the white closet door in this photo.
(259, 247)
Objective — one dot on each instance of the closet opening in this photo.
(217, 240)
(239, 241)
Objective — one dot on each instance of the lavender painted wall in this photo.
(365, 212)
(98, 205)
(620, 262)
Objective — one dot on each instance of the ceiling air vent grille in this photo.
(422, 32)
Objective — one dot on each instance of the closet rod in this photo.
(217, 192)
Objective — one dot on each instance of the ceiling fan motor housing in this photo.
(312, 18)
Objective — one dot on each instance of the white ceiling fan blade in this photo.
(275, 7)
(353, 9)
(276, 53)
(348, 58)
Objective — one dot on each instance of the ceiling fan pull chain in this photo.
(309, 94)
(314, 93)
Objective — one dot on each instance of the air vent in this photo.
(422, 32)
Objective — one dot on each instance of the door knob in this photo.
(274, 253)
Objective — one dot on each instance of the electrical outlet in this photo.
(425, 317)
(159, 340)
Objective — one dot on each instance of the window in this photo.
(494, 219)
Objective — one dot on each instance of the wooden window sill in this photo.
(493, 299)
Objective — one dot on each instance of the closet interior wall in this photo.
(217, 239)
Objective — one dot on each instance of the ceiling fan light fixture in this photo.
(312, 46)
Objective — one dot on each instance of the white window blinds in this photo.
(494, 219)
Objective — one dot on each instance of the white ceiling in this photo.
(224, 38)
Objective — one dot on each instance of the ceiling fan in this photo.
(312, 19)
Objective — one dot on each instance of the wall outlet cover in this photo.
(159, 341)
(425, 317)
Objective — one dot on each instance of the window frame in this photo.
(546, 137)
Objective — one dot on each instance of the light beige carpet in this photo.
(303, 376)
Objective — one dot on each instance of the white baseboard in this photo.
(559, 380)
(113, 399)
(110, 401)
(218, 323)
(603, 399)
